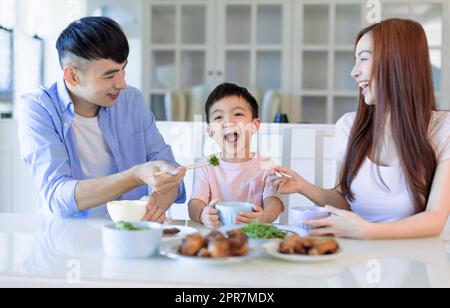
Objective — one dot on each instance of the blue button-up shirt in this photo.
(48, 146)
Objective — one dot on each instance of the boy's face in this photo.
(100, 82)
(232, 125)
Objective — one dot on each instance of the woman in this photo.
(394, 152)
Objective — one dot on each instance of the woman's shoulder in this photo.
(345, 123)
(440, 119)
(439, 132)
(440, 125)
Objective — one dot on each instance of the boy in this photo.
(232, 114)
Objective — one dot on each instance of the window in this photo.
(37, 64)
(6, 63)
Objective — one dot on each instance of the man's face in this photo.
(100, 82)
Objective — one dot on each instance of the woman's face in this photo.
(362, 72)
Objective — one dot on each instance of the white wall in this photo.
(17, 189)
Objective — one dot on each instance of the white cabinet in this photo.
(178, 47)
(253, 43)
(197, 42)
(303, 48)
(323, 52)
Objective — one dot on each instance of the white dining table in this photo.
(37, 251)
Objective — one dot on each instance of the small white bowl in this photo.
(308, 212)
(127, 211)
(124, 244)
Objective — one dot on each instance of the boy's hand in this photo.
(248, 218)
(209, 216)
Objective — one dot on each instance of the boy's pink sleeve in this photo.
(201, 189)
(269, 192)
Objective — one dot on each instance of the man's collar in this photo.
(63, 94)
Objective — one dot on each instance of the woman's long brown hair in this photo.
(404, 94)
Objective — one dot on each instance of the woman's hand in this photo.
(209, 216)
(248, 218)
(286, 185)
(341, 223)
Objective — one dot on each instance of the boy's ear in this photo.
(256, 125)
(70, 76)
(210, 131)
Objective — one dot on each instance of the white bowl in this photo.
(124, 244)
(308, 212)
(127, 211)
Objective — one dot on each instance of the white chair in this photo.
(280, 153)
(321, 136)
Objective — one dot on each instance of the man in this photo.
(89, 139)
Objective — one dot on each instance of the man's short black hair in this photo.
(227, 90)
(93, 38)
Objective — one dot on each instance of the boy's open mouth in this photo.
(232, 137)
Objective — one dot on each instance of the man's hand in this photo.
(160, 183)
(156, 210)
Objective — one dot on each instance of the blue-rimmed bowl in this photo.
(229, 210)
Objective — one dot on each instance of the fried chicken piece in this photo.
(215, 235)
(324, 247)
(239, 244)
(219, 248)
(204, 253)
(192, 244)
(303, 245)
(294, 244)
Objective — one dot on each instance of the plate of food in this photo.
(297, 249)
(261, 233)
(213, 249)
(177, 232)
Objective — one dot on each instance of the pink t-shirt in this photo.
(235, 182)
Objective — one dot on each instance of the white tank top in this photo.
(373, 201)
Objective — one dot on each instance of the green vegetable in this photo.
(125, 226)
(214, 161)
(256, 230)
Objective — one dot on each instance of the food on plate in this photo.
(219, 248)
(215, 235)
(294, 244)
(256, 230)
(239, 244)
(215, 245)
(126, 226)
(171, 232)
(192, 244)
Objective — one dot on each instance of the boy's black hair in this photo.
(93, 38)
(231, 89)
